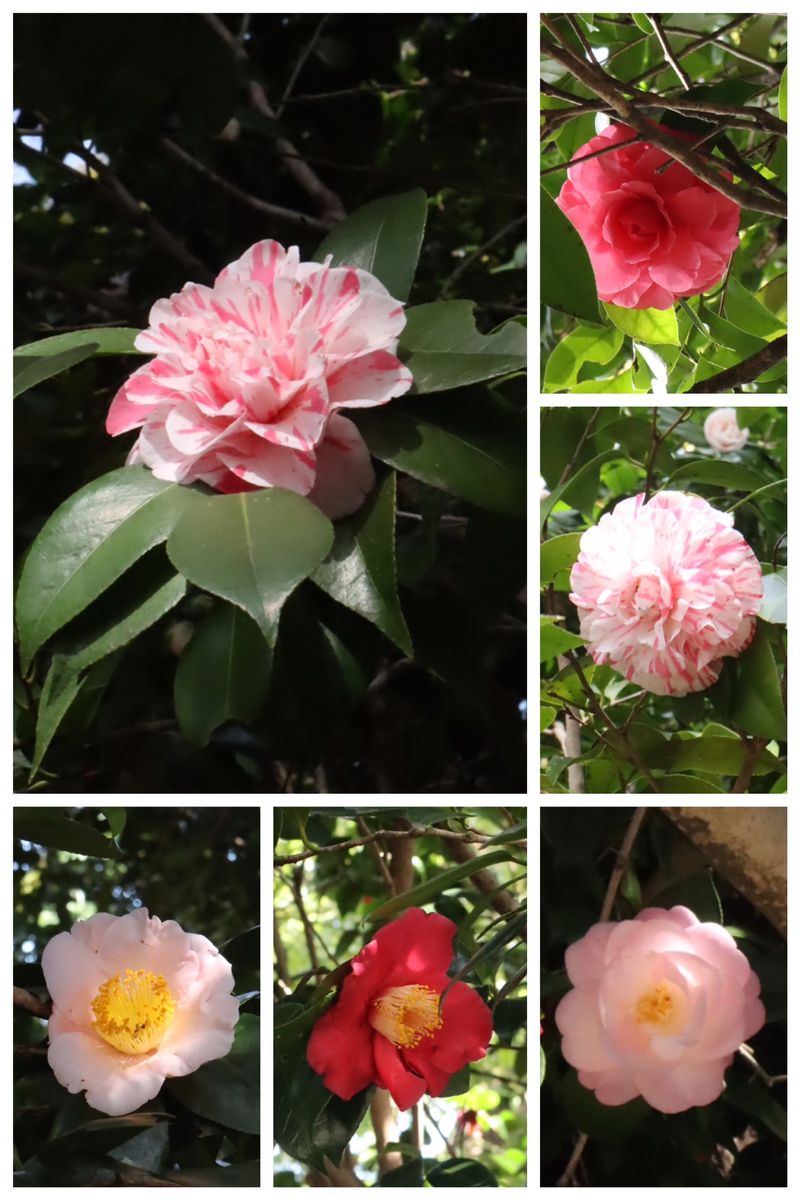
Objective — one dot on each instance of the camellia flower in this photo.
(659, 1006)
(653, 236)
(666, 589)
(251, 375)
(135, 1001)
(385, 1026)
(722, 432)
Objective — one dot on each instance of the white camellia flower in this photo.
(722, 432)
(136, 1001)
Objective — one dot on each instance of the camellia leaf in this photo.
(590, 472)
(567, 277)
(556, 557)
(742, 308)
(757, 704)
(783, 96)
(222, 675)
(467, 444)
(651, 325)
(227, 1089)
(64, 686)
(251, 548)
(444, 350)
(87, 543)
(102, 341)
(49, 827)
(586, 343)
(461, 1173)
(28, 372)
(425, 892)
(720, 474)
(553, 640)
(360, 571)
(384, 237)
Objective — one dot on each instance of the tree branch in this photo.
(485, 881)
(752, 749)
(112, 305)
(655, 21)
(745, 371)
(31, 1003)
(414, 832)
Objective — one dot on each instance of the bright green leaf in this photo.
(651, 325)
(554, 640)
(783, 96)
(557, 555)
(251, 548)
(596, 344)
(747, 313)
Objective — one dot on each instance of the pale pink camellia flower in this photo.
(135, 1001)
(722, 431)
(658, 1007)
(666, 589)
(653, 235)
(251, 376)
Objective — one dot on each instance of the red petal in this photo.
(420, 1059)
(342, 1055)
(465, 1033)
(405, 1088)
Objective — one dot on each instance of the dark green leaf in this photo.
(384, 237)
(758, 699)
(461, 1173)
(103, 341)
(584, 1111)
(409, 1175)
(720, 474)
(29, 371)
(587, 475)
(360, 571)
(567, 277)
(243, 953)
(238, 1174)
(147, 1150)
(222, 675)
(227, 1090)
(447, 352)
(425, 892)
(754, 1099)
(458, 1083)
(252, 548)
(49, 827)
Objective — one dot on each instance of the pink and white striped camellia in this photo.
(666, 589)
(251, 376)
(658, 1007)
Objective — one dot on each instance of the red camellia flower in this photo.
(386, 1028)
(654, 233)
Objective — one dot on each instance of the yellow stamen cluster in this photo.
(134, 1013)
(406, 1015)
(656, 1007)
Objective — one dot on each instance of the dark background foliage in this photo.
(377, 105)
(196, 866)
(740, 1139)
(322, 919)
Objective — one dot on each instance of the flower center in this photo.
(134, 1013)
(660, 1007)
(406, 1015)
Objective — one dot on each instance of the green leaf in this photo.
(546, 717)
(775, 602)
(103, 341)
(227, 1090)
(61, 688)
(461, 1173)
(742, 308)
(238, 1174)
(556, 557)
(584, 1111)
(468, 444)
(554, 641)
(360, 571)
(717, 755)
(251, 548)
(757, 700)
(654, 326)
(783, 96)
(720, 474)
(686, 783)
(762, 493)
(597, 344)
(584, 478)
(542, 1065)
(567, 278)
(49, 827)
(726, 334)
(28, 372)
(147, 1150)
(509, 930)
(86, 545)
(425, 892)
(409, 1175)
(642, 21)
(446, 351)
(756, 1101)
(222, 675)
(458, 1083)
(310, 1122)
(384, 237)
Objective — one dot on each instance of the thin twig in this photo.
(655, 21)
(752, 749)
(296, 885)
(621, 864)
(509, 987)
(415, 831)
(301, 62)
(471, 258)
(574, 1159)
(376, 850)
(573, 162)
(581, 36)
(31, 1003)
(764, 1076)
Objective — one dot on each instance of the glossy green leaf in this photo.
(686, 783)
(444, 350)
(60, 689)
(757, 704)
(30, 371)
(461, 1173)
(554, 640)
(222, 675)
(546, 717)
(721, 474)
(654, 326)
(717, 755)
(360, 570)
(754, 1099)
(310, 1122)
(384, 237)
(227, 1090)
(425, 892)
(567, 278)
(778, 488)
(774, 605)
(49, 827)
(467, 444)
(86, 545)
(251, 548)
(587, 343)
(588, 474)
(642, 21)
(726, 334)
(104, 341)
(747, 313)
(147, 1150)
(408, 1175)
(556, 557)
